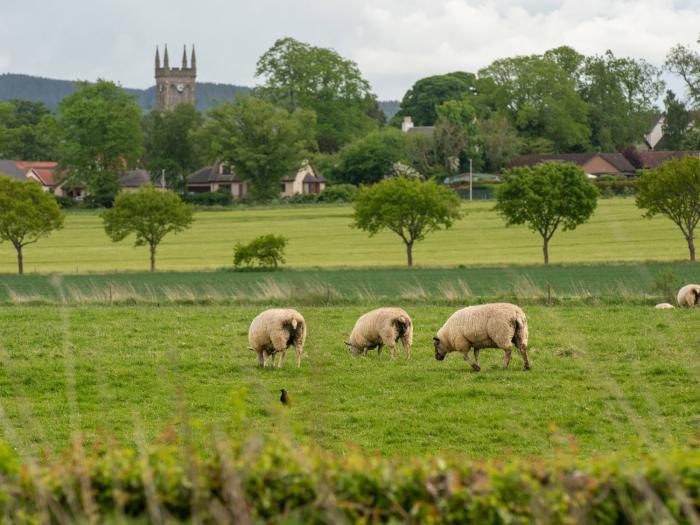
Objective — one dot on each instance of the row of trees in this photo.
(313, 103)
(546, 198)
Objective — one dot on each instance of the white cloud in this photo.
(395, 42)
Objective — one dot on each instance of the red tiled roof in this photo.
(651, 159)
(617, 160)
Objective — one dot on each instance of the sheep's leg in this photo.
(406, 347)
(507, 356)
(298, 349)
(523, 352)
(261, 358)
(394, 350)
(476, 359)
(474, 366)
(281, 361)
(379, 350)
(266, 358)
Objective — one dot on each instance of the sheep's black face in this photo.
(439, 354)
(697, 297)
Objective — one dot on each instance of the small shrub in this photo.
(266, 251)
(216, 198)
(300, 198)
(338, 193)
(66, 202)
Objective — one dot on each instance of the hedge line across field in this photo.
(276, 482)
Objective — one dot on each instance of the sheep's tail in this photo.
(294, 323)
(521, 330)
(402, 324)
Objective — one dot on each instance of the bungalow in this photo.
(593, 164)
(220, 177)
(651, 159)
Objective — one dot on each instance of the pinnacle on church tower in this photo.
(166, 61)
(157, 58)
(193, 60)
(184, 57)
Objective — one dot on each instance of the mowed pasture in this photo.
(603, 378)
(320, 236)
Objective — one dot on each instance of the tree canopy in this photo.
(371, 158)
(101, 136)
(408, 207)
(545, 197)
(27, 214)
(297, 75)
(261, 141)
(150, 214)
(27, 131)
(421, 101)
(673, 190)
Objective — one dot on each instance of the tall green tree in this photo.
(27, 131)
(27, 214)
(540, 99)
(101, 137)
(673, 190)
(170, 148)
(408, 207)
(501, 142)
(546, 197)
(676, 122)
(457, 135)
(685, 62)
(150, 214)
(421, 101)
(620, 93)
(369, 159)
(261, 141)
(297, 75)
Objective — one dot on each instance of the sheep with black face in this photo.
(275, 330)
(689, 295)
(379, 328)
(497, 325)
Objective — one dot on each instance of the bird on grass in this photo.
(284, 397)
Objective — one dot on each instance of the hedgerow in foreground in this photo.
(276, 482)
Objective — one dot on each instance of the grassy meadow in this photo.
(605, 378)
(320, 236)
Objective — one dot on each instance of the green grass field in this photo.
(320, 236)
(611, 377)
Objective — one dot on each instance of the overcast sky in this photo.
(395, 42)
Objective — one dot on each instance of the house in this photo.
(132, 180)
(594, 164)
(407, 126)
(655, 131)
(642, 160)
(220, 178)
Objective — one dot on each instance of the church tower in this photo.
(175, 85)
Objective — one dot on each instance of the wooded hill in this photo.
(50, 91)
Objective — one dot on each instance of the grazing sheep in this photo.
(689, 295)
(379, 328)
(275, 330)
(497, 325)
(664, 306)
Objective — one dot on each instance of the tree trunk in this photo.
(545, 250)
(153, 257)
(20, 260)
(691, 247)
(409, 253)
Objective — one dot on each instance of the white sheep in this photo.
(379, 328)
(664, 306)
(275, 330)
(497, 325)
(689, 295)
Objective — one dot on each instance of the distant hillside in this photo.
(50, 91)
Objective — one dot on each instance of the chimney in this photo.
(406, 124)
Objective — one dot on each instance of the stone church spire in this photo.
(166, 61)
(193, 60)
(157, 58)
(184, 57)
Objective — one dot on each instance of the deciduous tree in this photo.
(545, 197)
(261, 141)
(410, 208)
(297, 75)
(27, 214)
(150, 214)
(370, 159)
(673, 190)
(101, 137)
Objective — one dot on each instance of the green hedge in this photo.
(277, 482)
(616, 187)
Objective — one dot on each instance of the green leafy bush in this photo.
(215, 198)
(338, 193)
(277, 482)
(299, 198)
(266, 251)
(612, 187)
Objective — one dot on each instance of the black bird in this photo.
(284, 397)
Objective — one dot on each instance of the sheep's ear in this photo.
(436, 339)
